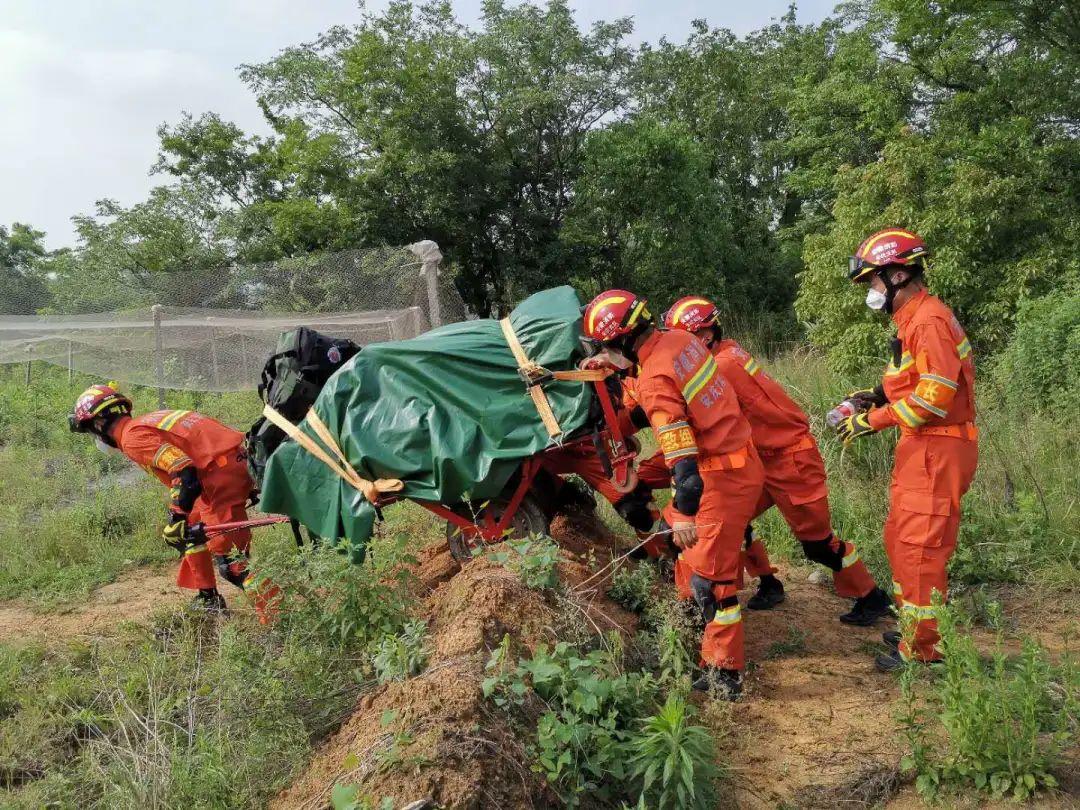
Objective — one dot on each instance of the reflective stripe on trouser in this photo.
(723, 643)
(795, 484)
(196, 569)
(727, 505)
(930, 476)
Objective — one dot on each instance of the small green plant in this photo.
(675, 760)
(998, 726)
(534, 559)
(793, 644)
(402, 655)
(347, 797)
(632, 586)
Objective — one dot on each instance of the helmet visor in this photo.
(859, 268)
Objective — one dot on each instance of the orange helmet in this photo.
(691, 314)
(95, 401)
(893, 246)
(614, 314)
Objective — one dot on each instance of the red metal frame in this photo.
(487, 528)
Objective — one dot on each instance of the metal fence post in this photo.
(159, 361)
(71, 361)
(430, 258)
(29, 360)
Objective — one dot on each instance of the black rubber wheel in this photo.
(529, 519)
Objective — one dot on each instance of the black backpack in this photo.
(291, 381)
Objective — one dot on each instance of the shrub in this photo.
(632, 586)
(998, 726)
(1040, 368)
(532, 558)
(400, 656)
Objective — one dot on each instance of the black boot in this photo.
(210, 602)
(868, 609)
(724, 684)
(770, 593)
(892, 638)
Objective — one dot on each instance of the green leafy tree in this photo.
(22, 283)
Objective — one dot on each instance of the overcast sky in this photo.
(84, 84)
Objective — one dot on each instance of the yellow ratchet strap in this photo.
(341, 467)
(532, 372)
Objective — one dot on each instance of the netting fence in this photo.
(212, 330)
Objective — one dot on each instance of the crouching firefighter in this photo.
(203, 464)
(715, 470)
(794, 470)
(928, 392)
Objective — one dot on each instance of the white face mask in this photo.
(875, 300)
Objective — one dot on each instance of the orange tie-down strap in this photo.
(341, 467)
(534, 371)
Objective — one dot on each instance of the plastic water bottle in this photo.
(840, 413)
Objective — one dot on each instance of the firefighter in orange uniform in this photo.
(202, 462)
(794, 470)
(928, 392)
(715, 470)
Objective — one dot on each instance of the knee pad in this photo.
(704, 591)
(637, 510)
(828, 552)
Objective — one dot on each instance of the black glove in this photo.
(688, 486)
(868, 398)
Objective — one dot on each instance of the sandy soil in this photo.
(133, 597)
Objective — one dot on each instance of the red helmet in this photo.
(95, 401)
(894, 246)
(691, 314)
(614, 314)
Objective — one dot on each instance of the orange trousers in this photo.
(225, 491)
(930, 475)
(795, 484)
(727, 505)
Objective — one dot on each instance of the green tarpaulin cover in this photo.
(446, 412)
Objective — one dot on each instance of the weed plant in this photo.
(601, 732)
(534, 559)
(997, 725)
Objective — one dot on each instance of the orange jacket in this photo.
(932, 381)
(692, 408)
(166, 442)
(775, 420)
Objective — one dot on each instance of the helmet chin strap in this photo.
(891, 288)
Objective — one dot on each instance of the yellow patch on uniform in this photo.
(171, 458)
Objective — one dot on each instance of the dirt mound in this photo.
(133, 597)
(434, 736)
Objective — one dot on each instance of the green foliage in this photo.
(590, 710)
(347, 797)
(982, 168)
(675, 760)
(998, 726)
(191, 712)
(632, 586)
(401, 656)
(23, 289)
(357, 604)
(534, 559)
(1040, 368)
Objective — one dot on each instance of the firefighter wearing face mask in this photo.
(794, 470)
(715, 470)
(928, 392)
(203, 464)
